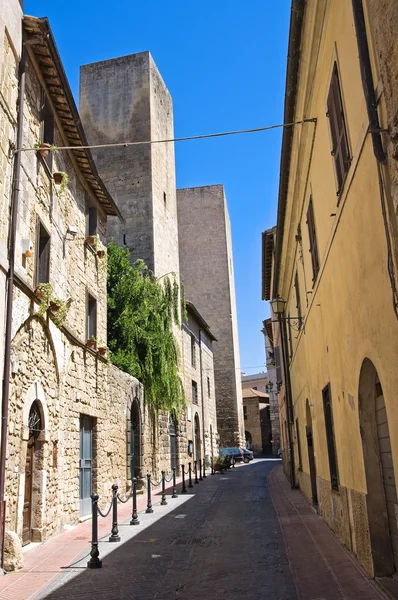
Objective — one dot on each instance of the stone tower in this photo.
(125, 100)
(206, 263)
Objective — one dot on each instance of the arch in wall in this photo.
(34, 436)
(311, 452)
(135, 446)
(197, 441)
(248, 439)
(381, 497)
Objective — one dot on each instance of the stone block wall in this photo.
(252, 423)
(206, 255)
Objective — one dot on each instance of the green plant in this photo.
(52, 148)
(62, 310)
(64, 182)
(141, 313)
(44, 293)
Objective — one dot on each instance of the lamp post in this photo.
(278, 305)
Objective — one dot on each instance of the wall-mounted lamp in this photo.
(72, 230)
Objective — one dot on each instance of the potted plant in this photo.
(44, 148)
(101, 253)
(91, 343)
(92, 240)
(61, 178)
(43, 292)
(102, 348)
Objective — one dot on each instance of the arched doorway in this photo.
(381, 498)
(311, 454)
(135, 440)
(173, 443)
(248, 438)
(35, 425)
(198, 454)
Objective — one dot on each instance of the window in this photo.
(208, 387)
(47, 132)
(327, 408)
(338, 130)
(91, 217)
(254, 387)
(278, 364)
(245, 413)
(298, 301)
(193, 351)
(313, 241)
(300, 463)
(165, 200)
(194, 392)
(91, 317)
(43, 255)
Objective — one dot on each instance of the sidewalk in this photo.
(323, 569)
(45, 562)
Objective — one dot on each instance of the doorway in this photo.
(85, 464)
(173, 444)
(311, 455)
(135, 441)
(35, 427)
(381, 497)
(198, 453)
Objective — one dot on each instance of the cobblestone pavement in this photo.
(221, 541)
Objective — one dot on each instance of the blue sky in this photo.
(224, 62)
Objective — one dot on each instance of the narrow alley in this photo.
(242, 534)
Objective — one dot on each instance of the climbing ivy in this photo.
(141, 313)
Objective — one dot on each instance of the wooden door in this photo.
(27, 506)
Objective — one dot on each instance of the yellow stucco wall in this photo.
(348, 314)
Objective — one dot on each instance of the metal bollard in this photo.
(204, 469)
(134, 516)
(163, 502)
(190, 475)
(94, 562)
(196, 471)
(149, 508)
(183, 487)
(212, 466)
(200, 470)
(114, 537)
(174, 494)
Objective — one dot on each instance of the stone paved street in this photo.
(242, 535)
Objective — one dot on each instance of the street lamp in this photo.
(278, 306)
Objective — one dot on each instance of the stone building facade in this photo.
(338, 392)
(76, 424)
(257, 421)
(272, 372)
(205, 246)
(202, 434)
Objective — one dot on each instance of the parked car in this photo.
(248, 455)
(233, 453)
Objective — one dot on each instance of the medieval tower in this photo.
(125, 100)
(207, 269)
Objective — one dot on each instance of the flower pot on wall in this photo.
(58, 178)
(102, 350)
(101, 253)
(54, 307)
(44, 149)
(90, 344)
(90, 240)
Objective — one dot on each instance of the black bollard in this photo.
(134, 516)
(149, 508)
(200, 470)
(183, 487)
(174, 494)
(190, 475)
(94, 562)
(196, 471)
(163, 502)
(212, 466)
(204, 469)
(114, 537)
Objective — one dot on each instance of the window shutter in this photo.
(278, 364)
(338, 130)
(313, 240)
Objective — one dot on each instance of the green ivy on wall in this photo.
(141, 313)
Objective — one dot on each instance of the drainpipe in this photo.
(9, 295)
(289, 403)
(202, 394)
(367, 80)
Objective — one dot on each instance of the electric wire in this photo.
(166, 141)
